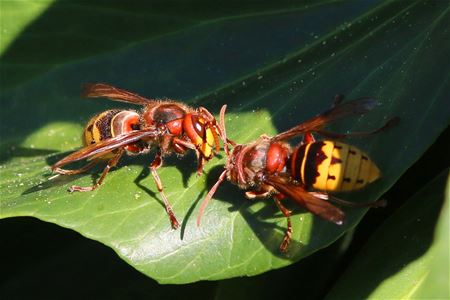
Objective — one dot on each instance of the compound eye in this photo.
(199, 126)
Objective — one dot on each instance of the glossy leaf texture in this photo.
(273, 66)
(408, 256)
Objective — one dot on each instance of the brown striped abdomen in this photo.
(332, 166)
(99, 127)
(109, 124)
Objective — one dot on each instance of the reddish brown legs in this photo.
(288, 233)
(184, 143)
(111, 163)
(201, 160)
(83, 169)
(200, 164)
(157, 162)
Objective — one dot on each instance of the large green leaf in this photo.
(437, 271)
(274, 68)
(16, 16)
(406, 258)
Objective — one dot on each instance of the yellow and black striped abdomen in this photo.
(99, 127)
(332, 166)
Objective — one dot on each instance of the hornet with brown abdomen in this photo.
(170, 126)
(306, 173)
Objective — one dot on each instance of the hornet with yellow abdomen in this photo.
(270, 166)
(170, 126)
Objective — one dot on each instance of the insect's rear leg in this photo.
(111, 163)
(189, 145)
(157, 162)
(257, 194)
(287, 214)
(200, 163)
(83, 169)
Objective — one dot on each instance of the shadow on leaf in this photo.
(269, 233)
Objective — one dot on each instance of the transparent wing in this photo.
(103, 147)
(340, 111)
(314, 204)
(97, 90)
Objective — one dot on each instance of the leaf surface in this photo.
(273, 67)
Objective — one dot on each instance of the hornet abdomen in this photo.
(332, 166)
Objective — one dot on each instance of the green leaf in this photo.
(408, 256)
(273, 67)
(16, 15)
(436, 274)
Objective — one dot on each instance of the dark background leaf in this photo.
(404, 252)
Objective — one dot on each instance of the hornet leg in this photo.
(111, 163)
(157, 162)
(288, 233)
